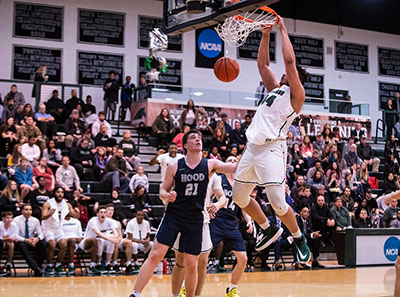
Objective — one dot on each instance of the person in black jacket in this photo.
(365, 153)
(55, 107)
(116, 172)
(72, 103)
(10, 199)
(389, 184)
(363, 221)
(357, 133)
(305, 225)
(102, 138)
(237, 136)
(74, 127)
(322, 218)
(111, 88)
(82, 159)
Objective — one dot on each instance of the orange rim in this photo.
(264, 8)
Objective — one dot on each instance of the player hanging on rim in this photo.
(264, 161)
(184, 211)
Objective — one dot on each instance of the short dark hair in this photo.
(112, 72)
(172, 143)
(56, 189)
(39, 177)
(185, 137)
(100, 208)
(102, 112)
(24, 205)
(13, 85)
(7, 213)
(109, 205)
(303, 74)
(55, 92)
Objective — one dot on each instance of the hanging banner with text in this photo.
(389, 61)
(94, 68)
(351, 57)
(309, 51)
(209, 47)
(386, 92)
(26, 60)
(38, 21)
(315, 89)
(249, 50)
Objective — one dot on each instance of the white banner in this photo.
(377, 249)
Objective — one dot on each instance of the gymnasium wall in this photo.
(362, 87)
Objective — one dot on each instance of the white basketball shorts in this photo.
(206, 243)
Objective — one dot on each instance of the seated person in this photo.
(116, 172)
(89, 111)
(130, 151)
(31, 238)
(138, 230)
(38, 197)
(101, 158)
(322, 218)
(9, 138)
(390, 213)
(72, 229)
(396, 222)
(238, 137)
(74, 127)
(101, 120)
(102, 138)
(9, 236)
(140, 200)
(55, 107)
(28, 130)
(43, 170)
(139, 179)
(46, 122)
(10, 199)
(363, 221)
(31, 151)
(53, 155)
(178, 138)
(24, 178)
(88, 136)
(83, 161)
(340, 215)
(67, 178)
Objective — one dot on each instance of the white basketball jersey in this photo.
(273, 117)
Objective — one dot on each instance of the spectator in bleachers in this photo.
(390, 213)
(317, 180)
(126, 96)
(297, 159)
(327, 134)
(101, 121)
(306, 148)
(74, 127)
(238, 137)
(52, 155)
(31, 151)
(9, 137)
(333, 168)
(67, 178)
(220, 141)
(140, 200)
(53, 214)
(111, 88)
(342, 165)
(83, 161)
(396, 222)
(352, 156)
(72, 103)
(19, 99)
(363, 221)
(365, 153)
(39, 77)
(116, 172)
(391, 147)
(246, 123)
(295, 189)
(190, 115)
(313, 169)
(102, 138)
(89, 111)
(46, 122)
(214, 154)
(139, 179)
(10, 199)
(125, 245)
(362, 205)
(326, 154)
(290, 140)
(347, 145)
(28, 130)
(348, 201)
(391, 166)
(358, 133)
(319, 144)
(14, 160)
(178, 138)
(340, 215)
(163, 127)
(333, 186)
(362, 172)
(203, 126)
(305, 225)
(9, 236)
(390, 184)
(314, 158)
(101, 158)
(138, 230)
(304, 199)
(164, 159)
(31, 238)
(43, 170)
(72, 230)
(38, 197)
(322, 218)
(9, 110)
(24, 178)
(27, 111)
(88, 136)
(130, 151)
(348, 181)
(396, 130)
(55, 107)
(390, 117)
(143, 89)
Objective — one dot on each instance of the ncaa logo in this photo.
(209, 43)
(391, 248)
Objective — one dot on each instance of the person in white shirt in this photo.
(138, 230)
(101, 121)
(124, 245)
(72, 229)
(8, 235)
(139, 179)
(164, 159)
(97, 239)
(53, 214)
(30, 238)
(31, 151)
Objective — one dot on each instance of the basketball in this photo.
(226, 69)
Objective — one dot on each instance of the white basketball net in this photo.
(235, 30)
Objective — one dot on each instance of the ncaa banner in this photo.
(375, 250)
(209, 47)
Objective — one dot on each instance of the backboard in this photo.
(178, 20)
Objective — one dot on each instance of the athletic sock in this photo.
(175, 295)
(128, 263)
(297, 234)
(92, 264)
(9, 264)
(232, 286)
(196, 295)
(136, 293)
(107, 263)
(71, 264)
(57, 264)
(216, 262)
(115, 263)
(265, 225)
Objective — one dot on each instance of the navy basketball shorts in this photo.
(229, 235)
(191, 233)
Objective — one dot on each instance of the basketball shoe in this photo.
(232, 293)
(182, 292)
(268, 236)
(303, 251)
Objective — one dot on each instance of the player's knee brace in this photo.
(276, 197)
(240, 200)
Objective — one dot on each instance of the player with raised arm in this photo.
(264, 162)
(184, 188)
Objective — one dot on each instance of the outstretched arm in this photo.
(166, 194)
(267, 76)
(296, 88)
(221, 167)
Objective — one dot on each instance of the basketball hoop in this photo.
(235, 30)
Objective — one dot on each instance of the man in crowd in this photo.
(102, 138)
(46, 122)
(8, 236)
(238, 137)
(295, 189)
(9, 110)
(83, 160)
(341, 215)
(111, 88)
(74, 127)
(23, 177)
(130, 151)
(390, 213)
(87, 135)
(28, 130)
(365, 152)
(38, 197)
(351, 156)
(246, 123)
(55, 107)
(89, 111)
(72, 229)
(357, 133)
(164, 159)
(19, 99)
(67, 178)
(319, 144)
(31, 151)
(322, 218)
(101, 121)
(116, 172)
(31, 238)
(126, 96)
(72, 103)
(364, 221)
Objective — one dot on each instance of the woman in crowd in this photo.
(221, 142)
(317, 179)
(26, 112)
(392, 166)
(190, 115)
(349, 180)
(326, 154)
(52, 155)
(333, 168)
(14, 160)
(9, 137)
(140, 200)
(333, 188)
(340, 161)
(290, 140)
(178, 139)
(100, 158)
(391, 147)
(327, 134)
(10, 199)
(43, 170)
(214, 153)
(297, 159)
(39, 77)
(363, 176)
(390, 184)
(163, 127)
(306, 148)
(362, 205)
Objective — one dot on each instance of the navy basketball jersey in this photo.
(191, 188)
(231, 210)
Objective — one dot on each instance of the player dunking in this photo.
(184, 211)
(264, 162)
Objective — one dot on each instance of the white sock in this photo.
(216, 262)
(265, 225)
(136, 293)
(107, 263)
(232, 286)
(115, 263)
(183, 284)
(290, 239)
(92, 264)
(57, 264)
(175, 295)
(71, 264)
(297, 234)
(196, 295)
(9, 264)
(128, 263)
(137, 263)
